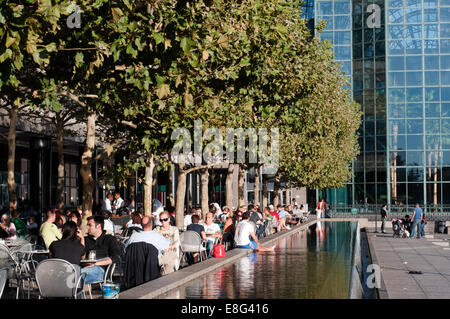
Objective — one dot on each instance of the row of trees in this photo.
(138, 70)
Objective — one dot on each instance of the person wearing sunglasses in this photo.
(171, 256)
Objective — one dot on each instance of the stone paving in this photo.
(398, 256)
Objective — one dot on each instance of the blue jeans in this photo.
(209, 247)
(253, 245)
(422, 229)
(93, 274)
(416, 224)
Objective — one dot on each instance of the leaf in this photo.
(188, 99)
(109, 149)
(159, 38)
(79, 59)
(162, 91)
(9, 40)
(186, 44)
(205, 55)
(116, 13)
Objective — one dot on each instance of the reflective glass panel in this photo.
(413, 15)
(445, 46)
(395, 15)
(342, 22)
(397, 110)
(445, 109)
(414, 110)
(430, 15)
(445, 30)
(445, 78)
(396, 95)
(414, 158)
(431, 46)
(415, 174)
(342, 7)
(431, 78)
(397, 142)
(432, 126)
(325, 7)
(396, 78)
(414, 142)
(430, 31)
(395, 3)
(414, 126)
(445, 62)
(413, 31)
(431, 62)
(414, 78)
(396, 47)
(415, 193)
(396, 63)
(414, 62)
(432, 110)
(445, 15)
(413, 46)
(397, 127)
(432, 94)
(342, 37)
(414, 95)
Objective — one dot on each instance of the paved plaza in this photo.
(399, 256)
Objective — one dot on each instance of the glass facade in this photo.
(397, 54)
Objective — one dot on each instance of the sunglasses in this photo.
(164, 219)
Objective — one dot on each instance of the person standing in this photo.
(417, 219)
(117, 203)
(384, 214)
(107, 202)
(320, 209)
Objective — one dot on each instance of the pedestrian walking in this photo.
(384, 214)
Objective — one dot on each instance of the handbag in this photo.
(218, 250)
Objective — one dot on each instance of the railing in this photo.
(372, 211)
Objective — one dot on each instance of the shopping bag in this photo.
(218, 251)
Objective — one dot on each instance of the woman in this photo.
(71, 246)
(320, 208)
(59, 220)
(8, 227)
(171, 256)
(76, 218)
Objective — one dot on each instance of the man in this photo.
(107, 203)
(417, 219)
(212, 231)
(384, 214)
(257, 219)
(147, 235)
(199, 229)
(242, 236)
(49, 231)
(106, 247)
(283, 216)
(118, 202)
(188, 218)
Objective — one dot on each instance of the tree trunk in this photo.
(86, 171)
(148, 185)
(256, 187)
(276, 192)
(12, 157)
(241, 187)
(264, 192)
(204, 191)
(170, 190)
(229, 186)
(59, 141)
(181, 193)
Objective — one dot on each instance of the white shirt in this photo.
(118, 202)
(150, 237)
(211, 230)
(107, 205)
(187, 220)
(243, 230)
(108, 226)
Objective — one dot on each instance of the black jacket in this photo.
(105, 246)
(141, 264)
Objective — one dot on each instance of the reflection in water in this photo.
(313, 263)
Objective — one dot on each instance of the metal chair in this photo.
(11, 261)
(191, 242)
(106, 278)
(59, 278)
(3, 278)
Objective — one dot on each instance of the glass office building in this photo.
(397, 56)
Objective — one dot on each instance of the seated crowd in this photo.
(236, 228)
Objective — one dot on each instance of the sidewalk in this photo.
(398, 256)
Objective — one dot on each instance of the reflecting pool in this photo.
(312, 263)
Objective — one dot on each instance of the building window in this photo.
(71, 184)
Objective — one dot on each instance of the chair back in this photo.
(108, 278)
(57, 278)
(190, 241)
(3, 278)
